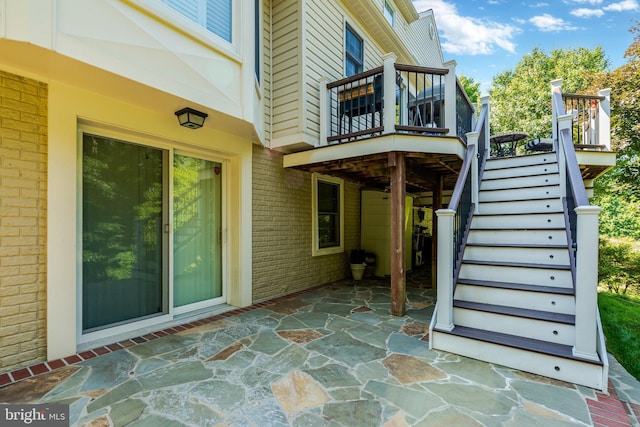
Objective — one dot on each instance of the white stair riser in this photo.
(529, 328)
(554, 303)
(519, 194)
(510, 162)
(568, 370)
(523, 275)
(518, 172)
(552, 256)
(522, 206)
(537, 237)
(520, 182)
(526, 221)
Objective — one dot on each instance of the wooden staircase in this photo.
(513, 301)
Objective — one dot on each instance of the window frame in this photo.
(349, 57)
(389, 13)
(202, 15)
(316, 179)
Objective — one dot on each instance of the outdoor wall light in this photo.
(190, 118)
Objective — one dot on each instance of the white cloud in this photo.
(587, 13)
(548, 23)
(465, 35)
(591, 2)
(622, 6)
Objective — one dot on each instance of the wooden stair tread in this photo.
(517, 245)
(486, 215)
(517, 286)
(568, 319)
(523, 176)
(529, 344)
(518, 264)
(522, 187)
(536, 199)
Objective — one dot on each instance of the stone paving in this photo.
(333, 356)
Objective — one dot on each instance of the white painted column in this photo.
(389, 109)
(586, 282)
(444, 319)
(324, 111)
(450, 98)
(604, 119)
(556, 87)
(487, 120)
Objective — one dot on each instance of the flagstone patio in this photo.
(332, 356)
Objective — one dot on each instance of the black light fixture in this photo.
(190, 118)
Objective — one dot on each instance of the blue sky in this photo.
(486, 37)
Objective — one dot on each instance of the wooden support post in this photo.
(398, 272)
(437, 204)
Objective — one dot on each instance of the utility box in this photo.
(375, 229)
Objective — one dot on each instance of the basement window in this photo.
(328, 215)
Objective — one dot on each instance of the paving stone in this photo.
(158, 346)
(396, 420)
(291, 323)
(333, 375)
(126, 411)
(148, 365)
(297, 391)
(121, 392)
(183, 406)
(371, 371)
(254, 377)
(220, 394)
(312, 319)
(371, 335)
(268, 342)
(154, 420)
(231, 334)
(240, 360)
(288, 306)
(109, 370)
(301, 336)
(354, 413)
(341, 324)
(175, 374)
(627, 387)
(448, 417)
(344, 348)
(474, 397)
(401, 343)
(413, 402)
(408, 369)
(32, 389)
(567, 401)
(309, 420)
(345, 393)
(292, 357)
(536, 418)
(316, 360)
(476, 371)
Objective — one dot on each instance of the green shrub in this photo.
(619, 265)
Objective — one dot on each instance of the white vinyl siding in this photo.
(286, 68)
(266, 64)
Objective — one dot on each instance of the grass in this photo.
(620, 316)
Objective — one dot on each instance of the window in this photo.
(388, 13)
(354, 53)
(328, 215)
(214, 15)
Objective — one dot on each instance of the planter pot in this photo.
(357, 271)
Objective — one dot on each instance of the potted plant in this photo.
(358, 263)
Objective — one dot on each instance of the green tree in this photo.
(521, 98)
(471, 87)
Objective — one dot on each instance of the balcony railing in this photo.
(396, 98)
(590, 120)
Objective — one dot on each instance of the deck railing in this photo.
(396, 98)
(582, 230)
(590, 126)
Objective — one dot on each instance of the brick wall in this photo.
(282, 261)
(23, 216)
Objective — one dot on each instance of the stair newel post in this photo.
(444, 319)
(450, 98)
(472, 144)
(564, 122)
(556, 87)
(484, 101)
(586, 282)
(604, 119)
(324, 110)
(389, 90)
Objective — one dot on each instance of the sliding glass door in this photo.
(126, 199)
(197, 229)
(123, 212)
